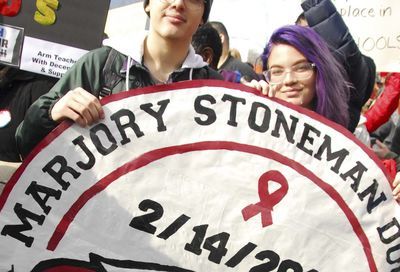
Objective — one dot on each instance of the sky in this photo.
(120, 3)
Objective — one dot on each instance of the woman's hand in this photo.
(260, 85)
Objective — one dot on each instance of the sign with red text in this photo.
(200, 176)
(56, 33)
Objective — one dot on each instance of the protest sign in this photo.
(48, 36)
(372, 24)
(200, 176)
(11, 44)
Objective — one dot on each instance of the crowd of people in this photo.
(313, 63)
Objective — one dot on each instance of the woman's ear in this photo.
(147, 8)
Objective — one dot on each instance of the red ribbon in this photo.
(267, 200)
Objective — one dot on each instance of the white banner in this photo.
(200, 176)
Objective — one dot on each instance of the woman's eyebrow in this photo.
(294, 63)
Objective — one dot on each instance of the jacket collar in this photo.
(133, 46)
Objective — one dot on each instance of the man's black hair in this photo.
(207, 36)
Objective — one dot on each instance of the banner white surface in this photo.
(200, 176)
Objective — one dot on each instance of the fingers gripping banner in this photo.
(200, 176)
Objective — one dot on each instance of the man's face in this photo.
(177, 19)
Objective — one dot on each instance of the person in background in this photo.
(382, 123)
(163, 55)
(384, 109)
(18, 90)
(388, 148)
(301, 20)
(378, 112)
(384, 138)
(227, 61)
(207, 43)
(235, 53)
(323, 17)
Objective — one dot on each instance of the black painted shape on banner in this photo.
(97, 262)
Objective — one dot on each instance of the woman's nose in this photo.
(289, 78)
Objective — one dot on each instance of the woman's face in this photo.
(296, 87)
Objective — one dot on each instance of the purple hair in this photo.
(332, 88)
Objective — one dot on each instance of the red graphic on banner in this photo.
(267, 200)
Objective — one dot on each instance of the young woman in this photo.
(299, 68)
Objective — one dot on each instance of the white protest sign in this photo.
(200, 176)
(49, 58)
(373, 24)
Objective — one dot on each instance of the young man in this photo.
(163, 56)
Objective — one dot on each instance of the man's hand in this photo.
(78, 105)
